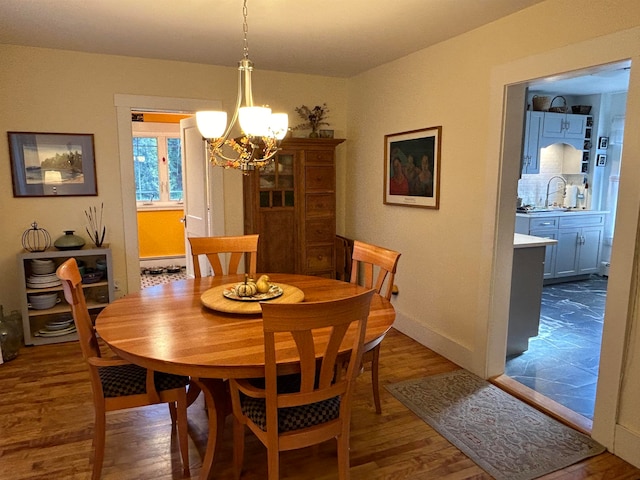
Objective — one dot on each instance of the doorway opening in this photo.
(158, 168)
(559, 195)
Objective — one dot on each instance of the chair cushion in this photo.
(123, 380)
(290, 418)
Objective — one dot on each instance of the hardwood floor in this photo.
(46, 426)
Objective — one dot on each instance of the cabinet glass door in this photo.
(276, 182)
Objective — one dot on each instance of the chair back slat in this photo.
(319, 329)
(366, 260)
(237, 247)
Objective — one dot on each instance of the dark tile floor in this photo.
(562, 361)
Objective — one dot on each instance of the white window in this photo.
(157, 161)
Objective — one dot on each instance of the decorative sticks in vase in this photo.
(95, 229)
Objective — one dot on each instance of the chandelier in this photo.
(261, 129)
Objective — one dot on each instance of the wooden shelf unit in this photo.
(98, 294)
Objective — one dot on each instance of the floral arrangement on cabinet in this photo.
(313, 118)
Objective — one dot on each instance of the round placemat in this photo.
(214, 299)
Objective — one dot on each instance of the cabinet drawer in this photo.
(543, 223)
(319, 258)
(319, 178)
(581, 220)
(320, 231)
(318, 156)
(319, 205)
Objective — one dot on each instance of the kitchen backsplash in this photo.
(557, 159)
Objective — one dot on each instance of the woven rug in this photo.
(507, 438)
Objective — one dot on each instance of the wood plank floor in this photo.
(46, 426)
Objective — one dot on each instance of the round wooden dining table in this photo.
(169, 328)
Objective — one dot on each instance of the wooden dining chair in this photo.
(293, 411)
(374, 267)
(116, 383)
(214, 247)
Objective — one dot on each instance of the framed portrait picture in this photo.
(52, 164)
(601, 160)
(603, 143)
(412, 168)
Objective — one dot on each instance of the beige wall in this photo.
(455, 264)
(454, 273)
(59, 91)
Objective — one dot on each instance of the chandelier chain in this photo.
(245, 30)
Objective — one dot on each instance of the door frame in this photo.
(617, 47)
(124, 104)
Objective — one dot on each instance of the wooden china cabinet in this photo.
(291, 203)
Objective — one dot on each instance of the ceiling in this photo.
(321, 37)
(603, 79)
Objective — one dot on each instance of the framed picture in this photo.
(603, 143)
(412, 168)
(52, 164)
(601, 160)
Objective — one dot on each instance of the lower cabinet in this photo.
(46, 316)
(550, 252)
(526, 295)
(578, 251)
(579, 237)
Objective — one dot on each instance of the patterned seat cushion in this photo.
(291, 418)
(126, 380)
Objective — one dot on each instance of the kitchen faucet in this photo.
(564, 189)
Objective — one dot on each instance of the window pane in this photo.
(145, 161)
(175, 169)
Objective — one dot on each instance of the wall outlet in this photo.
(116, 285)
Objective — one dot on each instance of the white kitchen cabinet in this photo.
(531, 146)
(579, 236)
(578, 251)
(42, 326)
(549, 253)
(564, 126)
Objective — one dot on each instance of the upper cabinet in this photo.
(562, 127)
(531, 147)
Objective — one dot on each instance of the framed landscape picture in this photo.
(52, 164)
(412, 168)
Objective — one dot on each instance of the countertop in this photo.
(527, 241)
(558, 212)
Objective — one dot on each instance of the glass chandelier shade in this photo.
(262, 130)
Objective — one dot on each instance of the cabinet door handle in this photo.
(546, 224)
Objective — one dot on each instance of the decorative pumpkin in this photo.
(36, 239)
(246, 289)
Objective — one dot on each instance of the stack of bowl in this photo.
(42, 301)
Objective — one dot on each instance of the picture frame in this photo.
(603, 143)
(52, 164)
(415, 180)
(601, 160)
(326, 133)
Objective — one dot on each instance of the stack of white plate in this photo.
(42, 301)
(44, 280)
(42, 267)
(57, 328)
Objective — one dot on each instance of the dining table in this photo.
(199, 328)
